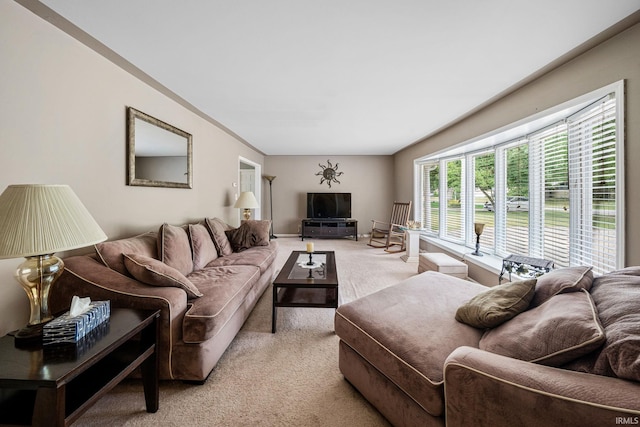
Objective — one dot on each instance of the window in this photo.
(454, 217)
(516, 210)
(484, 178)
(429, 197)
(552, 193)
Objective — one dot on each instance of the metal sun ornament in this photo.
(329, 173)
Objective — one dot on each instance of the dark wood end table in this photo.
(302, 285)
(54, 385)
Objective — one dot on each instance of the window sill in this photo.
(491, 263)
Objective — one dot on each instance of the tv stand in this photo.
(330, 228)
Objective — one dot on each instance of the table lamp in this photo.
(246, 201)
(35, 222)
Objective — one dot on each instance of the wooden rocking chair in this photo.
(388, 234)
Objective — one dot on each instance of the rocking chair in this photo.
(388, 234)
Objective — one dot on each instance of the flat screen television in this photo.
(329, 205)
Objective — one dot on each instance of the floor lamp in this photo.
(270, 178)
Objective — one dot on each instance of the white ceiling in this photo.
(336, 77)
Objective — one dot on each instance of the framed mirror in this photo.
(158, 154)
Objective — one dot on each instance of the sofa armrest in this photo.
(86, 276)
(483, 388)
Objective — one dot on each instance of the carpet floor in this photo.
(290, 378)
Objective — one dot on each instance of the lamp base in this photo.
(30, 334)
(247, 214)
(36, 275)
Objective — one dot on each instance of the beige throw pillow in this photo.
(174, 248)
(554, 333)
(202, 247)
(497, 305)
(561, 281)
(217, 229)
(156, 273)
(617, 297)
(110, 253)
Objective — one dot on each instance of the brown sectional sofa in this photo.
(406, 353)
(205, 279)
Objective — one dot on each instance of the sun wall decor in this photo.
(329, 173)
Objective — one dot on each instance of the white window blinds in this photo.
(429, 203)
(454, 198)
(592, 185)
(549, 205)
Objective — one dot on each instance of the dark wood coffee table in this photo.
(54, 385)
(302, 285)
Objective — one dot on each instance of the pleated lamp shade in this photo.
(44, 219)
(246, 201)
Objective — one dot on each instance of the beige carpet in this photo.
(290, 378)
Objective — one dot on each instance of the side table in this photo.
(539, 266)
(413, 245)
(54, 385)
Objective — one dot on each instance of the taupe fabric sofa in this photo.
(407, 355)
(204, 278)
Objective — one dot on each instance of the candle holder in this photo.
(478, 228)
(310, 259)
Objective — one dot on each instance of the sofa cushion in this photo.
(497, 305)
(202, 247)
(156, 273)
(111, 253)
(174, 248)
(399, 330)
(217, 228)
(617, 298)
(259, 256)
(562, 329)
(224, 289)
(250, 233)
(562, 280)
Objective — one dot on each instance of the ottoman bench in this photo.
(442, 263)
(393, 345)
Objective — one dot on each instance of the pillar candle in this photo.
(310, 247)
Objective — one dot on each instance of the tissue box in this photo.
(67, 329)
(60, 352)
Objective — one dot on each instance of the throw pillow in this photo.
(250, 233)
(617, 297)
(174, 248)
(497, 305)
(217, 229)
(110, 253)
(560, 281)
(156, 273)
(554, 333)
(202, 247)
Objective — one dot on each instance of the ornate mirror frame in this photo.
(163, 140)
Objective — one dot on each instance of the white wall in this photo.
(63, 121)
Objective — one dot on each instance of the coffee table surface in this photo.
(302, 285)
(295, 271)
